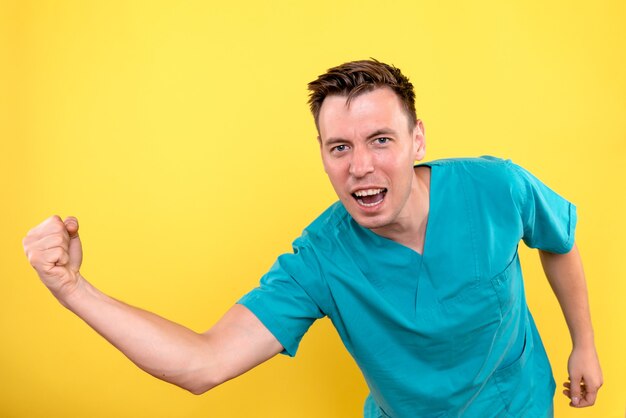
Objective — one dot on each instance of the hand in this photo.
(54, 250)
(585, 377)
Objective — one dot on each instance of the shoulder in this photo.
(485, 164)
(484, 173)
(327, 226)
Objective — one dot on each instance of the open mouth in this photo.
(369, 197)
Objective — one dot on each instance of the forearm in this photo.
(160, 347)
(566, 276)
(567, 279)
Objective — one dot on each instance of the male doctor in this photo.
(415, 265)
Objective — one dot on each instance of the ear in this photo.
(419, 141)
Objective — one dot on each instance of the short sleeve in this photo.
(285, 300)
(549, 221)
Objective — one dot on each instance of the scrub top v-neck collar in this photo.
(404, 265)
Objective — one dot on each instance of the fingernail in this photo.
(575, 400)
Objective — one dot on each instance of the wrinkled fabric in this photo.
(446, 333)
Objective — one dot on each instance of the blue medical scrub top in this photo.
(445, 333)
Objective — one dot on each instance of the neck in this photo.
(410, 230)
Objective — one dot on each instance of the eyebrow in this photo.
(377, 132)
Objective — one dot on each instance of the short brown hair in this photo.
(357, 77)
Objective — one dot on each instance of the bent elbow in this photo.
(198, 390)
(200, 387)
(196, 385)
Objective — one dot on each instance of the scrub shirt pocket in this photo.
(371, 410)
(514, 376)
(513, 380)
(436, 415)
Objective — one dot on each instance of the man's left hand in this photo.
(585, 377)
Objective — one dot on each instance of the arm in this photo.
(567, 279)
(196, 362)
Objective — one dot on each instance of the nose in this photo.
(361, 163)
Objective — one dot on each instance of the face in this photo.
(368, 152)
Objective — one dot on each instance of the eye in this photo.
(382, 140)
(339, 148)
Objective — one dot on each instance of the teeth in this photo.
(368, 205)
(368, 192)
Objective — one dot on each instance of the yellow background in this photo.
(178, 134)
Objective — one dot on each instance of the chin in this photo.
(369, 222)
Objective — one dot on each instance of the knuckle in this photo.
(51, 237)
(33, 258)
(57, 229)
(57, 240)
(53, 224)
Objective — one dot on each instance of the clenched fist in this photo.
(54, 250)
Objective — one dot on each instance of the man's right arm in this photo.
(194, 361)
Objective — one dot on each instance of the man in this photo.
(416, 266)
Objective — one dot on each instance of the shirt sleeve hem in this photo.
(290, 347)
(573, 219)
(567, 245)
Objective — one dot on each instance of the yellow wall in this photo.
(178, 133)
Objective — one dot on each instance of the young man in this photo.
(416, 266)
